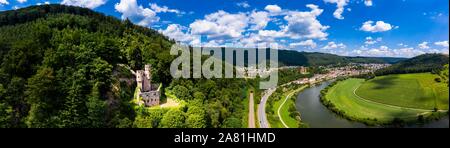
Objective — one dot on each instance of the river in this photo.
(317, 115)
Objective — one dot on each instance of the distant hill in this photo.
(421, 63)
(296, 58)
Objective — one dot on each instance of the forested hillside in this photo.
(59, 67)
(422, 63)
(295, 58)
(65, 66)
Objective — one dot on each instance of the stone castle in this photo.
(150, 93)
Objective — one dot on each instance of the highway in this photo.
(262, 118)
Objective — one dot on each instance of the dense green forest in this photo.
(295, 58)
(60, 68)
(422, 63)
(65, 66)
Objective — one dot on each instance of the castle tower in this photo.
(148, 73)
(139, 78)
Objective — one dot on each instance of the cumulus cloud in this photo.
(424, 45)
(379, 26)
(4, 2)
(177, 32)
(248, 28)
(273, 8)
(333, 45)
(259, 19)
(384, 51)
(307, 43)
(159, 9)
(368, 3)
(305, 24)
(46, 3)
(91, 4)
(221, 25)
(21, 1)
(141, 15)
(340, 4)
(243, 4)
(371, 41)
(442, 43)
(136, 13)
(271, 33)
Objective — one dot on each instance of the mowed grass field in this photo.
(344, 99)
(407, 90)
(284, 110)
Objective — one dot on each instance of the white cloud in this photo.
(4, 2)
(131, 10)
(221, 25)
(379, 26)
(46, 3)
(384, 51)
(21, 1)
(243, 4)
(307, 43)
(368, 3)
(175, 31)
(424, 45)
(84, 3)
(340, 4)
(165, 9)
(442, 43)
(371, 41)
(247, 28)
(271, 33)
(259, 19)
(305, 24)
(273, 8)
(333, 45)
(141, 15)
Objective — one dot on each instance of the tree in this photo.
(173, 119)
(73, 113)
(196, 121)
(125, 123)
(142, 122)
(41, 92)
(182, 92)
(232, 123)
(96, 109)
(5, 115)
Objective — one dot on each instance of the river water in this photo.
(317, 115)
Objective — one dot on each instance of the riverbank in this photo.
(286, 111)
(340, 98)
(280, 109)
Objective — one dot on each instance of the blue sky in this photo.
(396, 28)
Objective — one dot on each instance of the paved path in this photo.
(282, 104)
(262, 118)
(251, 112)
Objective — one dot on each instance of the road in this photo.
(262, 118)
(251, 112)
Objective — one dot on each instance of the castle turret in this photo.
(148, 73)
(139, 78)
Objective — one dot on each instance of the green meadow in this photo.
(385, 98)
(407, 90)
